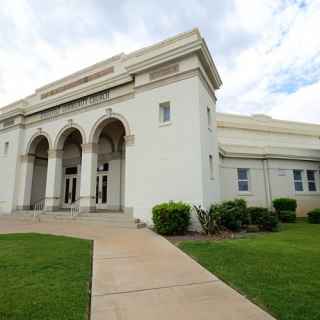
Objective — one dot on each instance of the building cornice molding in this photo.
(268, 153)
(266, 124)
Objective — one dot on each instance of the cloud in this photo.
(267, 51)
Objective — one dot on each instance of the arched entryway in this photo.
(35, 168)
(110, 176)
(70, 143)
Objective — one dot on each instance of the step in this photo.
(118, 219)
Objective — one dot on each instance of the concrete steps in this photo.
(112, 219)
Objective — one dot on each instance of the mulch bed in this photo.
(192, 235)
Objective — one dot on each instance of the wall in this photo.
(8, 168)
(209, 146)
(280, 174)
(165, 162)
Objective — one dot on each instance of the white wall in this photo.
(8, 168)
(165, 162)
(209, 146)
(281, 182)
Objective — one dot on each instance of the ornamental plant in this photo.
(171, 218)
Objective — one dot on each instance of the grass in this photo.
(278, 271)
(44, 277)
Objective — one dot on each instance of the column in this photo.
(54, 180)
(26, 175)
(88, 177)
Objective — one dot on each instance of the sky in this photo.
(267, 51)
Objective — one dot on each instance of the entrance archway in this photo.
(70, 142)
(110, 176)
(38, 155)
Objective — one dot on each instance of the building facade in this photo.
(139, 129)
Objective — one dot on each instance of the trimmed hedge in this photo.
(314, 216)
(287, 216)
(233, 214)
(257, 214)
(284, 204)
(263, 218)
(172, 218)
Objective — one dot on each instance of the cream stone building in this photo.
(139, 129)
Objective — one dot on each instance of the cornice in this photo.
(264, 154)
(270, 125)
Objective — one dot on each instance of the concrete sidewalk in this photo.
(140, 275)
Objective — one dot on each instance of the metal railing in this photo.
(38, 208)
(74, 208)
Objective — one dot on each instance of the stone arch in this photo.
(103, 121)
(64, 132)
(35, 139)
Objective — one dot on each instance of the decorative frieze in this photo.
(76, 104)
(164, 71)
(78, 82)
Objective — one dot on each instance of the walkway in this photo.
(139, 275)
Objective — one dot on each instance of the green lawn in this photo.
(278, 271)
(44, 277)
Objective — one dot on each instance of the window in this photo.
(164, 112)
(103, 167)
(209, 117)
(297, 178)
(311, 180)
(6, 148)
(211, 166)
(243, 180)
(71, 170)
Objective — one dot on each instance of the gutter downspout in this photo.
(268, 191)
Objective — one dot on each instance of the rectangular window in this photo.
(71, 170)
(209, 117)
(243, 180)
(211, 166)
(297, 178)
(311, 176)
(164, 112)
(6, 148)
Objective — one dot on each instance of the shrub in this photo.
(314, 216)
(233, 214)
(210, 221)
(284, 204)
(257, 214)
(270, 223)
(287, 216)
(171, 218)
(263, 218)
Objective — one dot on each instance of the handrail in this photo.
(74, 208)
(38, 207)
(39, 200)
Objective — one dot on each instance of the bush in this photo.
(263, 218)
(287, 216)
(284, 204)
(257, 214)
(171, 218)
(233, 214)
(314, 216)
(210, 221)
(270, 223)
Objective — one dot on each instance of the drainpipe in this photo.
(266, 173)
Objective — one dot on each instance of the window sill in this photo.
(307, 193)
(165, 124)
(245, 193)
